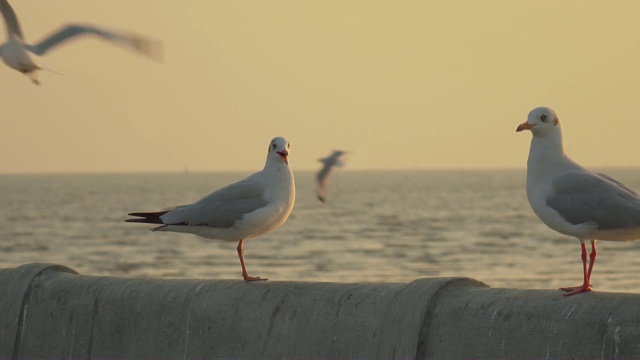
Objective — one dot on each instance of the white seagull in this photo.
(335, 159)
(240, 211)
(19, 55)
(573, 200)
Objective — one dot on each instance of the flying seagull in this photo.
(335, 159)
(240, 211)
(19, 55)
(573, 200)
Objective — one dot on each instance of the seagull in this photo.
(19, 55)
(573, 200)
(237, 212)
(322, 176)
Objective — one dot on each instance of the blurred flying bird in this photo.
(19, 55)
(240, 211)
(335, 159)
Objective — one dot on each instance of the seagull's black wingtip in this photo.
(147, 217)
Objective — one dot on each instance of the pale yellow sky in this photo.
(402, 84)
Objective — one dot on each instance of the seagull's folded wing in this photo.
(221, 208)
(582, 197)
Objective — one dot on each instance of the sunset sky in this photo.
(401, 84)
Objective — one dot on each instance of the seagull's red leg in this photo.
(592, 260)
(586, 286)
(33, 78)
(245, 275)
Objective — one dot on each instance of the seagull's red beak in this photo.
(524, 126)
(283, 154)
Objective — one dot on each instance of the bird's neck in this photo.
(547, 154)
(282, 179)
(276, 166)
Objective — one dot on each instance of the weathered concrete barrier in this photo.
(49, 311)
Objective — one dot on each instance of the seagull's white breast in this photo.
(280, 196)
(15, 56)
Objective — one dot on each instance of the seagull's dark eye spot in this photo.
(273, 145)
(543, 117)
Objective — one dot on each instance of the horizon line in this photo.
(124, 172)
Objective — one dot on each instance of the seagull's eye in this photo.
(273, 146)
(543, 117)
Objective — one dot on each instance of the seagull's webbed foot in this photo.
(586, 283)
(33, 78)
(245, 274)
(577, 289)
(251, 278)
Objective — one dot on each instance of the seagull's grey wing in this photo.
(337, 158)
(321, 190)
(322, 175)
(581, 197)
(221, 208)
(10, 19)
(134, 42)
(619, 184)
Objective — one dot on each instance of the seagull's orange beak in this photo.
(524, 126)
(284, 154)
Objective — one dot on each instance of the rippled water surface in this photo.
(376, 226)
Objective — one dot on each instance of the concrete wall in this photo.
(49, 311)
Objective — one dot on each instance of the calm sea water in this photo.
(376, 226)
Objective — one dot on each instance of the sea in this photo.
(376, 226)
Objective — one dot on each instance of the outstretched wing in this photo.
(134, 42)
(10, 19)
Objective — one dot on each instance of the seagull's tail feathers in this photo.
(147, 218)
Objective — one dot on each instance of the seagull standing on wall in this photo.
(335, 159)
(573, 200)
(240, 211)
(19, 55)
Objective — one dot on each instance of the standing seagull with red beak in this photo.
(573, 200)
(240, 211)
